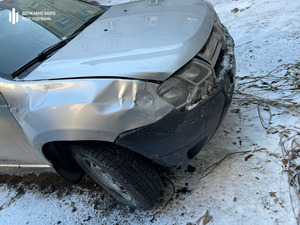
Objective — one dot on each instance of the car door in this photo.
(14, 146)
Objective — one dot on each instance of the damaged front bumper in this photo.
(181, 134)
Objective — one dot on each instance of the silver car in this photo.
(112, 91)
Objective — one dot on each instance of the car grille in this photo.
(213, 47)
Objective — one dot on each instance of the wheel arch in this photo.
(59, 154)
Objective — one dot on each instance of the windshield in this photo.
(29, 27)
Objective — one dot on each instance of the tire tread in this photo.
(134, 170)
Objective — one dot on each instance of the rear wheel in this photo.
(127, 176)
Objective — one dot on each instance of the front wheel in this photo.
(127, 176)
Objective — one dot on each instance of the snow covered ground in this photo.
(239, 176)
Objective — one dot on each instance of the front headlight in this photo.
(188, 85)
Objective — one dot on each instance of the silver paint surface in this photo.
(135, 40)
(14, 146)
(92, 109)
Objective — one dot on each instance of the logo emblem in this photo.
(13, 16)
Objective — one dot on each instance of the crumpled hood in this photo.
(139, 40)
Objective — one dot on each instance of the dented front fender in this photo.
(90, 109)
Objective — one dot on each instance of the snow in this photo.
(249, 185)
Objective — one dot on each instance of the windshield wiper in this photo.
(50, 50)
(41, 56)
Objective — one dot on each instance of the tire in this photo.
(128, 177)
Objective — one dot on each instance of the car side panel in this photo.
(14, 146)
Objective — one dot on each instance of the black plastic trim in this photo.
(181, 134)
